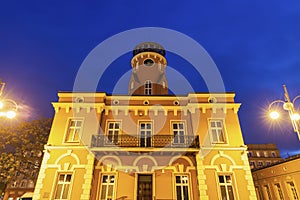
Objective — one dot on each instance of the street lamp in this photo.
(288, 105)
(8, 107)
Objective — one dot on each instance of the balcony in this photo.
(155, 141)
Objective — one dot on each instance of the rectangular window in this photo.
(217, 131)
(107, 187)
(267, 192)
(182, 187)
(258, 193)
(278, 187)
(225, 183)
(113, 131)
(293, 191)
(259, 163)
(148, 87)
(63, 187)
(145, 134)
(258, 154)
(74, 129)
(252, 164)
(250, 154)
(178, 131)
(144, 188)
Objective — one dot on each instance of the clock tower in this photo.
(148, 70)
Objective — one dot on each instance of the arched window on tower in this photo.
(148, 87)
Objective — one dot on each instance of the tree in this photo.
(21, 145)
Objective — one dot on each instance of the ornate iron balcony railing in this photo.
(157, 141)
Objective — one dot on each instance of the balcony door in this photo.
(144, 187)
(145, 134)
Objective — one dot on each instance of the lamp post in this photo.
(8, 107)
(288, 105)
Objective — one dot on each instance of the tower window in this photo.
(148, 87)
(148, 62)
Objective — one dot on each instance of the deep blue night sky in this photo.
(255, 45)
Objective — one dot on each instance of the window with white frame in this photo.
(217, 131)
(226, 187)
(293, 191)
(279, 191)
(74, 129)
(178, 132)
(62, 188)
(113, 131)
(182, 187)
(107, 187)
(148, 87)
(145, 134)
(267, 192)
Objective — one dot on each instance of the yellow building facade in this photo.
(278, 181)
(145, 145)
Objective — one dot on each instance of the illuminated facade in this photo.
(278, 181)
(261, 155)
(145, 145)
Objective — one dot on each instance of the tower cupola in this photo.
(148, 70)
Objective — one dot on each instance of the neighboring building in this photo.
(145, 145)
(261, 155)
(278, 181)
(25, 177)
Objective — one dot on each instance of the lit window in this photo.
(265, 154)
(148, 87)
(182, 187)
(217, 131)
(267, 191)
(63, 187)
(225, 183)
(280, 195)
(178, 131)
(107, 187)
(74, 128)
(258, 154)
(293, 190)
(113, 132)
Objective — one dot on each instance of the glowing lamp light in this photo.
(1, 104)
(274, 115)
(11, 114)
(295, 116)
